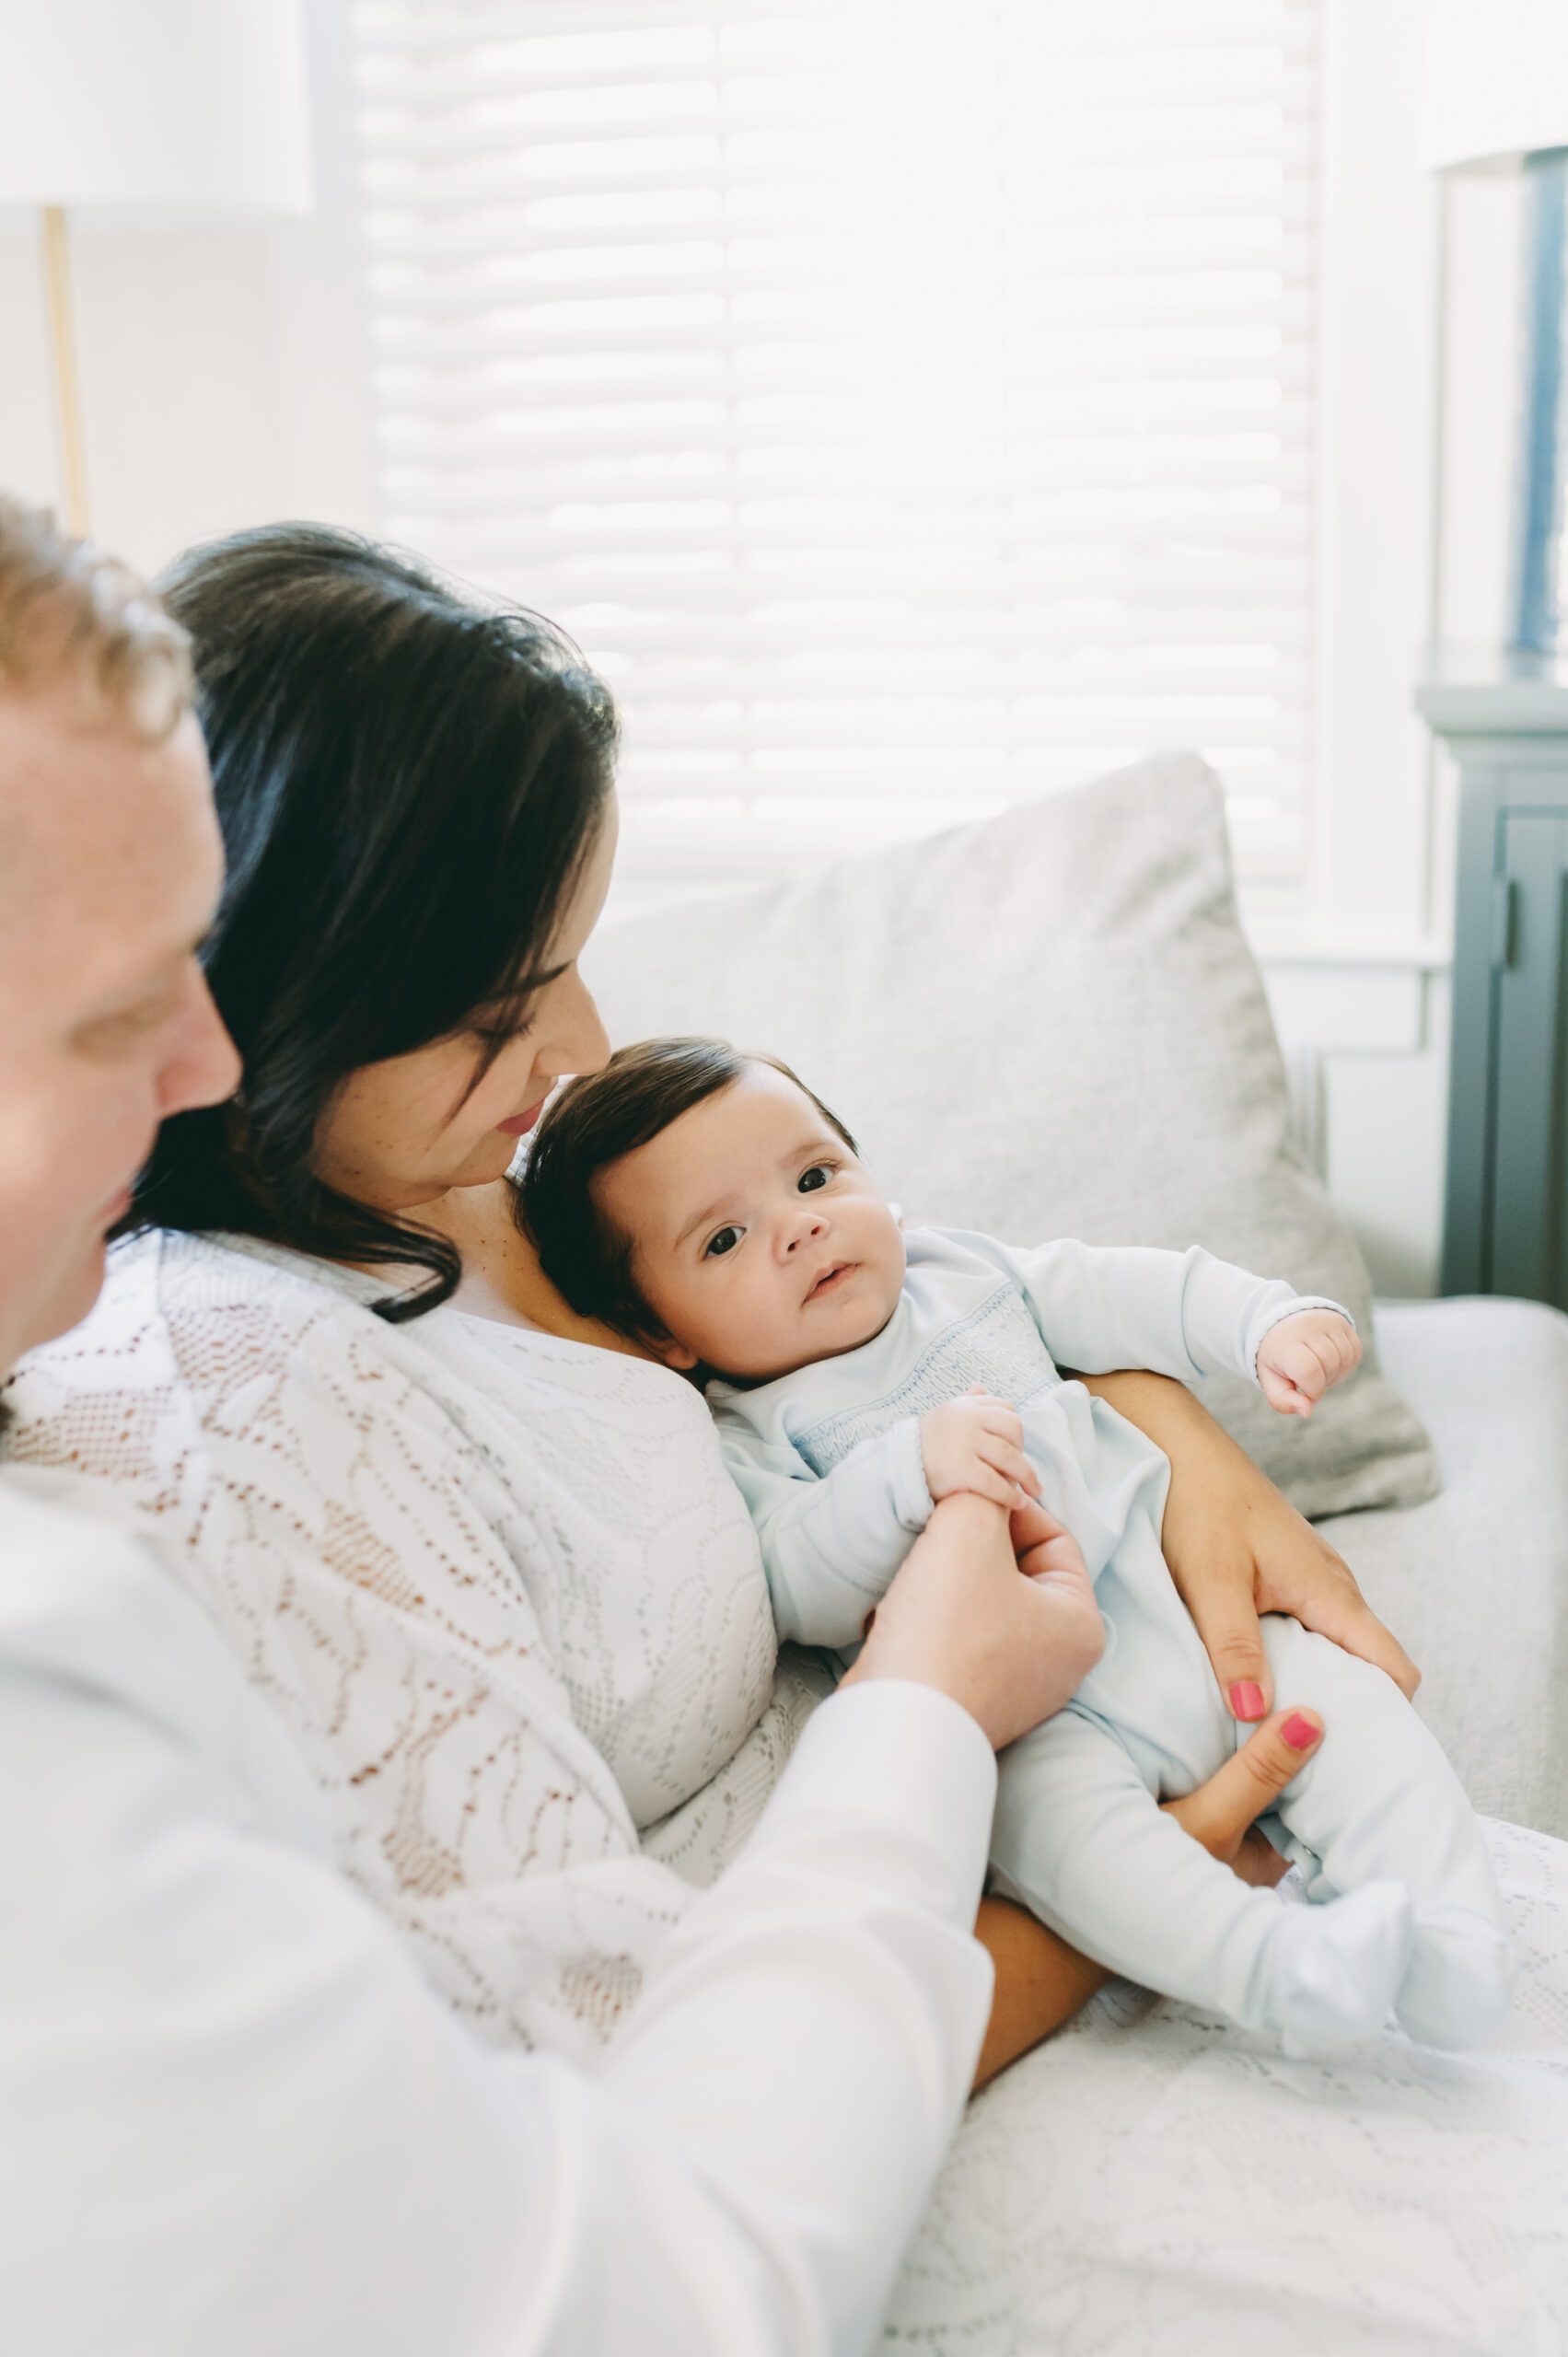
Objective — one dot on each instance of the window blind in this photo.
(909, 408)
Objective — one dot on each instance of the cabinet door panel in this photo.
(1527, 1257)
(1467, 1200)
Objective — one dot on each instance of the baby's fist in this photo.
(1304, 1356)
(976, 1443)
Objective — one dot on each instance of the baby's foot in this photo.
(1459, 1987)
(1337, 1968)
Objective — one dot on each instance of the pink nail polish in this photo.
(1299, 1732)
(1246, 1700)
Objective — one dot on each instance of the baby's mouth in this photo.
(829, 1279)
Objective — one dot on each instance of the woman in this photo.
(431, 1509)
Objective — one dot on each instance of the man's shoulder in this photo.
(78, 1578)
(50, 1512)
(87, 1605)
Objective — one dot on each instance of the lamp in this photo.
(170, 103)
(1495, 97)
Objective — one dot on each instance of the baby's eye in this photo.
(725, 1241)
(818, 1175)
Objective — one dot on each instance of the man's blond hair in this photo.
(67, 609)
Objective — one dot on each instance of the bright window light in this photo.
(908, 405)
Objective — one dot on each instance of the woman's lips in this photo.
(521, 1123)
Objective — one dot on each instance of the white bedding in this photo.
(1153, 2183)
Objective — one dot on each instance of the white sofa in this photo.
(1051, 1025)
(1475, 1581)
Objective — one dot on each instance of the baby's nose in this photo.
(802, 1229)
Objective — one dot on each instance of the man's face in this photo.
(110, 863)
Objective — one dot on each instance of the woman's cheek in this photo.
(505, 1091)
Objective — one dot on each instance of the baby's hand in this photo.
(977, 1443)
(1304, 1356)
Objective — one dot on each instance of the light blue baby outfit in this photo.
(828, 1460)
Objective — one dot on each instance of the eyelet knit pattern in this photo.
(498, 1587)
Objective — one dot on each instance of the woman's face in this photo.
(402, 1132)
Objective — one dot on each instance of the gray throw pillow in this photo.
(1050, 1025)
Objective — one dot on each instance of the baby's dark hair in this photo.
(592, 1123)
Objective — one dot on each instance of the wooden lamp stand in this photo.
(63, 365)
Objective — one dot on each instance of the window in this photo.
(910, 407)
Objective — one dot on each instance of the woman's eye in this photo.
(818, 1175)
(725, 1241)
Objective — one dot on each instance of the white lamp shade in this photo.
(1494, 81)
(157, 102)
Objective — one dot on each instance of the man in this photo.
(109, 868)
(232, 2116)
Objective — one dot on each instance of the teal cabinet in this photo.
(1505, 1227)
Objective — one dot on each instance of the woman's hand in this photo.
(1222, 1813)
(1041, 1982)
(1236, 1549)
(958, 1617)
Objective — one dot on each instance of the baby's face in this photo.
(759, 1240)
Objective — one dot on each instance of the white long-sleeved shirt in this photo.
(829, 1458)
(236, 2121)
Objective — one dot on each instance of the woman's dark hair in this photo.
(408, 786)
(592, 1123)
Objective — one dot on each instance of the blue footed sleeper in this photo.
(828, 1460)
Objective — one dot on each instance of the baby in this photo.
(707, 1205)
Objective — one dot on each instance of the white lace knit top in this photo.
(498, 1584)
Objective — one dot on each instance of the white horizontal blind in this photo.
(908, 406)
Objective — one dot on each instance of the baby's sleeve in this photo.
(1183, 1314)
(830, 1544)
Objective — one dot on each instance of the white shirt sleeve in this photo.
(1183, 1314)
(234, 2116)
(830, 1545)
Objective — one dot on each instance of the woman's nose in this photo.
(579, 1041)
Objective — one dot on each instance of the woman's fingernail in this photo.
(1246, 1700)
(1300, 1733)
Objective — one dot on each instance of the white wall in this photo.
(1387, 1120)
(1421, 319)
(225, 370)
(1379, 298)
(222, 363)
(1359, 969)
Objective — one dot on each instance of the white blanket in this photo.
(1153, 2183)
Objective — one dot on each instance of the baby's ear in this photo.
(677, 1355)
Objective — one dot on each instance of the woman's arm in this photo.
(1236, 1549)
(1041, 1982)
